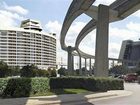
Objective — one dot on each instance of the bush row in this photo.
(23, 87)
(89, 83)
(26, 71)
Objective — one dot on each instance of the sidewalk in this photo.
(64, 99)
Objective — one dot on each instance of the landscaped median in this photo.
(25, 87)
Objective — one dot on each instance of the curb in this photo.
(73, 98)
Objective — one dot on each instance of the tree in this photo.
(62, 71)
(15, 71)
(42, 73)
(4, 71)
(84, 71)
(28, 71)
(52, 72)
(77, 71)
(118, 70)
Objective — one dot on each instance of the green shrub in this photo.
(91, 84)
(42, 73)
(62, 71)
(22, 87)
(28, 71)
(4, 71)
(3, 84)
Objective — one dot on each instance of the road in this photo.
(133, 99)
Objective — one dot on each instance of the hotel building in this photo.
(28, 45)
(130, 50)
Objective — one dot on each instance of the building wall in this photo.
(21, 47)
(124, 48)
(130, 51)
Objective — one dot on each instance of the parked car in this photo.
(132, 77)
(121, 76)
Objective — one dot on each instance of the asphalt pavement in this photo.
(133, 99)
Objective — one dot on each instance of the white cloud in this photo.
(11, 15)
(54, 27)
(8, 17)
(87, 49)
(16, 9)
(6, 21)
(73, 32)
(130, 32)
(114, 49)
(134, 26)
(122, 33)
(105, 2)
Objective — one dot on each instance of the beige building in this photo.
(28, 45)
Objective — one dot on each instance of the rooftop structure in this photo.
(31, 24)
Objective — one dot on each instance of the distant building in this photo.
(28, 45)
(130, 50)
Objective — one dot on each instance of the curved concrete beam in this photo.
(85, 55)
(82, 54)
(76, 8)
(87, 29)
(118, 10)
(125, 7)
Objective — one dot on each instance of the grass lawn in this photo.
(63, 91)
(68, 91)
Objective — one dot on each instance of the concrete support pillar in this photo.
(113, 64)
(90, 66)
(101, 55)
(80, 66)
(85, 63)
(70, 60)
(85, 66)
(72, 63)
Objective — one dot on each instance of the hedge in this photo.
(23, 87)
(88, 83)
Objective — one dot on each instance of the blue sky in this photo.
(43, 10)
(51, 14)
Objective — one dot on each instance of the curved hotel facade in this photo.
(28, 45)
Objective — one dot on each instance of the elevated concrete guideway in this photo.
(116, 14)
(118, 10)
(76, 9)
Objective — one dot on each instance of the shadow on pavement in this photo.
(71, 99)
